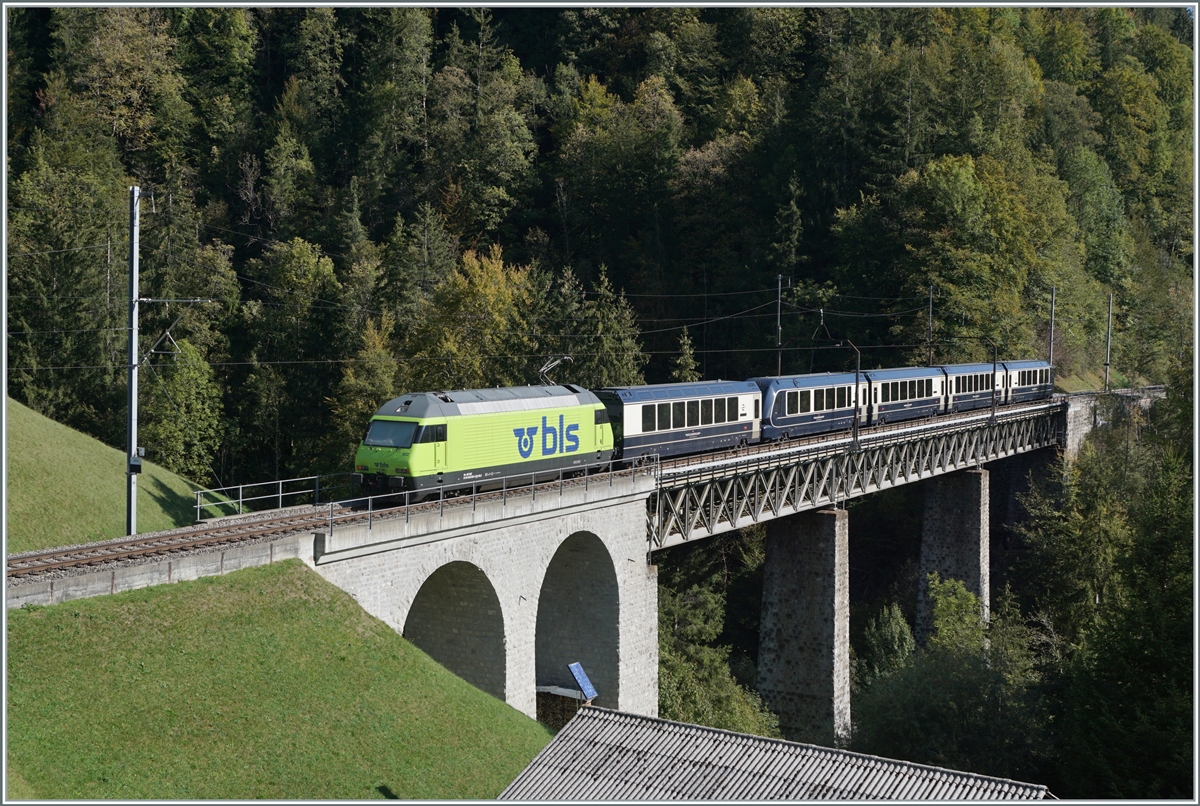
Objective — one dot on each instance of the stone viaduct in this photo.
(507, 593)
(507, 590)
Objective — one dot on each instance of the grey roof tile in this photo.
(610, 755)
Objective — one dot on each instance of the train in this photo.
(476, 437)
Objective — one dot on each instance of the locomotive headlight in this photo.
(360, 467)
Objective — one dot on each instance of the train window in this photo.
(647, 418)
(887, 393)
(780, 408)
(818, 400)
(600, 416)
(957, 384)
(705, 412)
(912, 390)
(731, 409)
(902, 388)
(829, 398)
(756, 408)
(719, 410)
(1045, 376)
(433, 433)
(677, 415)
(693, 413)
(805, 403)
(841, 397)
(928, 387)
(875, 396)
(793, 402)
(390, 434)
(664, 416)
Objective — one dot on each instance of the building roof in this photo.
(611, 755)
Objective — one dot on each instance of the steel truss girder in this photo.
(707, 503)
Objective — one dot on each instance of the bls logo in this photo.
(562, 439)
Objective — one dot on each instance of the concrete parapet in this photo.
(804, 633)
(144, 575)
(460, 516)
(954, 540)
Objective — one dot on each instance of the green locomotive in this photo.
(477, 436)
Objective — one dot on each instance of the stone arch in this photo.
(578, 618)
(456, 619)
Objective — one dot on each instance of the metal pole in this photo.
(1052, 294)
(131, 417)
(778, 325)
(1108, 343)
(929, 328)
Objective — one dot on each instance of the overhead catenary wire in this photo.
(410, 358)
(59, 251)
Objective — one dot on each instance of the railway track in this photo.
(161, 545)
(33, 564)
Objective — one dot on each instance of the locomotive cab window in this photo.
(389, 434)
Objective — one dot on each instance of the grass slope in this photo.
(264, 683)
(65, 487)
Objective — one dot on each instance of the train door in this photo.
(439, 448)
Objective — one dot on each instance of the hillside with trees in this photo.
(377, 200)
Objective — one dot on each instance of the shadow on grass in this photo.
(181, 508)
(387, 792)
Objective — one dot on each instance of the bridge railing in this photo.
(241, 499)
(520, 485)
(706, 467)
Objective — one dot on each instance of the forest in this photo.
(341, 205)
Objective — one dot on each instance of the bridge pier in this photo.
(804, 633)
(954, 540)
